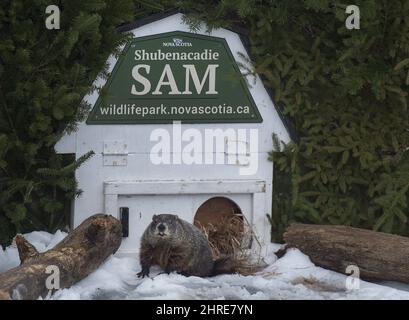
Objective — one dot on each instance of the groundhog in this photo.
(177, 245)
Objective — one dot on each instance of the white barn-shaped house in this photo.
(130, 179)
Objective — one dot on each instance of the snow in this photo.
(293, 276)
(41, 240)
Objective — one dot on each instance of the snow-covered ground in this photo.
(291, 277)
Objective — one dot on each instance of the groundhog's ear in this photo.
(154, 218)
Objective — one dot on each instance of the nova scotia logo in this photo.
(177, 42)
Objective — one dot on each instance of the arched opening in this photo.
(222, 221)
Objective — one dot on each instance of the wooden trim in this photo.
(181, 187)
(111, 205)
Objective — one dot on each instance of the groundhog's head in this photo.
(163, 226)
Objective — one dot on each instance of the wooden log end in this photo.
(104, 228)
(26, 250)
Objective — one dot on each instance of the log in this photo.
(76, 256)
(379, 256)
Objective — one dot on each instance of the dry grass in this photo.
(232, 236)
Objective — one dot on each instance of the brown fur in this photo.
(182, 248)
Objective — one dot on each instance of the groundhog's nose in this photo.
(161, 227)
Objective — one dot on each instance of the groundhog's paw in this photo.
(143, 274)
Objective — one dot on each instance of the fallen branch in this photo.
(378, 255)
(79, 254)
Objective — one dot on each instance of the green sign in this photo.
(175, 76)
